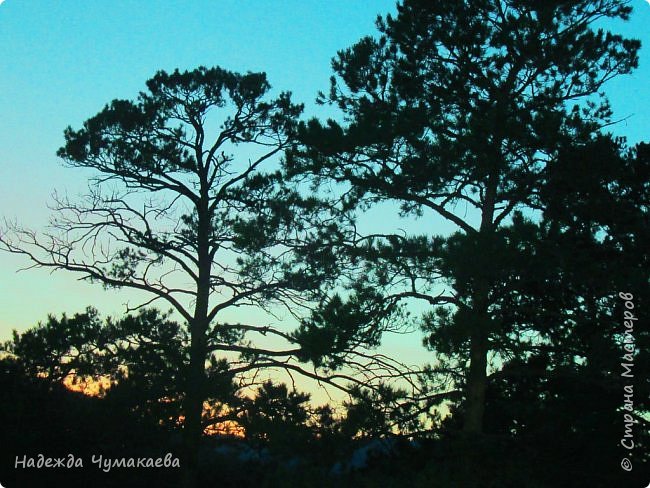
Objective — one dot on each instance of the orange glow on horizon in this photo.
(88, 386)
(98, 387)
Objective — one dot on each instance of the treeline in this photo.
(486, 124)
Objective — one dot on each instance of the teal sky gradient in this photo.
(61, 61)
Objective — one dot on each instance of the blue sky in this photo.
(61, 61)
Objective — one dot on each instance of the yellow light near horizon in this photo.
(87, 386)
(98, 387)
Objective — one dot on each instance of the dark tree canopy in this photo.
(186, 204)
(462, 111)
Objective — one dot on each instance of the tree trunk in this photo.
(192, 428)
(195, 386)
(476, 382)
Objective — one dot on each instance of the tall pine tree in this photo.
(456, 110)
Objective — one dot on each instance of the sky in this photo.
(61, 61)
